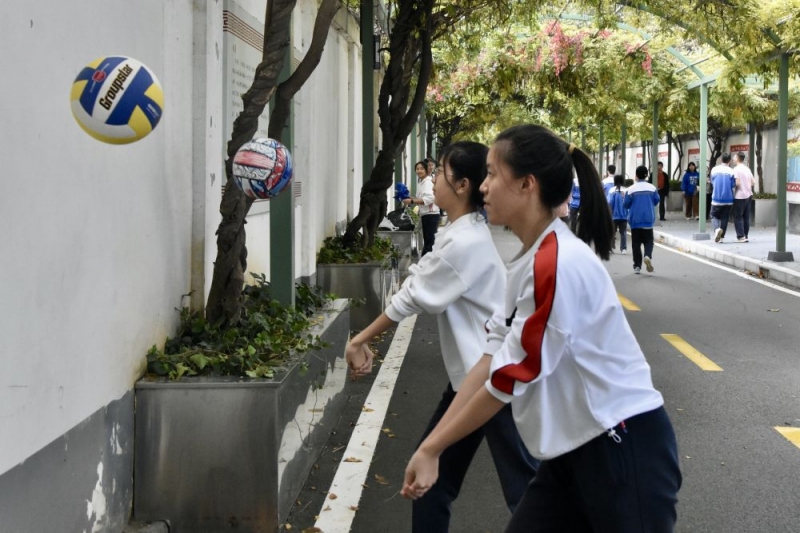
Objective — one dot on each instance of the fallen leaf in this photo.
(316, 517)
(332, 496)
(367, 409)
(354, 507)
(327, 508)
(312, 530)
(287, 527)
(688, 457)
(315, 410)
(352, 460)
(386, 430)
(773, 310)
(380, 479)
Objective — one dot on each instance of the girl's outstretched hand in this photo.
(421, 473)
(359, 358)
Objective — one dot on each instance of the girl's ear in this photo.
(528, 183)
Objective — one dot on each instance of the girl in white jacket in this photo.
(561, 353)
(462, 288)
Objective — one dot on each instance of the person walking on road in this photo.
(619, 214)
(723, 183)
(663, 190)
(562, 353)
(428, 210)
(742, 198)
(640, 200)
(608, 181)
(690, 187)
(462, 281)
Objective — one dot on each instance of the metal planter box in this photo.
(373, 283)
(406, 242)
(215, 454)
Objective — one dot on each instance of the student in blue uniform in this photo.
(462, 288)
(640, 200)
(561, 352)
(619, 213)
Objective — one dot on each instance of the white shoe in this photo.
(637, 270)
(648, 263)
(623, 252)
(718, 235)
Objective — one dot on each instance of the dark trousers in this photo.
(719, 217)
(741, 217)
(430, 223)
(692, 206)
(662, 203)
(573, 219)
(515, 467)
(639, 237)
(620, 225)
(608, 486)
(708, 206)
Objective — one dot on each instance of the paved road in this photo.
(740, 473)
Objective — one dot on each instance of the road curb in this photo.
(763, 268)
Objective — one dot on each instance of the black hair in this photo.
(532, 149)
(467, 160)
(691, 163)
(741, 157)
(641, 172)
(660, 163)
(619, 181)
(423, 163)
(611, 169)
(726, 157)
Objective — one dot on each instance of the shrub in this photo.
(266, 335)
(675, 185)
(334, 252)
(764, 196)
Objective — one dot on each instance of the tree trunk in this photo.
(409, 45)
(678, 144)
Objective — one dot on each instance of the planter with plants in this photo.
(229, 422)
(764, 210)
(675, 199)
(369, 275)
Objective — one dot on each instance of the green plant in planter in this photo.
(334, 252)
(265, 337)
(765, 196)
(675, 185)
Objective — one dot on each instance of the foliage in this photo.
(335, 251)
(675, 185)
(765, 196)
(266, 335)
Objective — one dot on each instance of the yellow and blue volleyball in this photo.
(117, 100)
(262, 168)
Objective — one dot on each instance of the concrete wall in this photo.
(101, 241)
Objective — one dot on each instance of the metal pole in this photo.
(751, 148)
(601, 161)
(654, 148)
(783, 115)
(701, 230)
(367, 88)
(281, 219)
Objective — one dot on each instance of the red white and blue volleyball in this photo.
(262, 168)
(117, 99)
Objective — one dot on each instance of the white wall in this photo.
(101, 241)
(96, 240)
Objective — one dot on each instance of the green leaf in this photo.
(200, 360)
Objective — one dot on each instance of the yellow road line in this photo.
(627, 304)
(693, 355)
(791, 434)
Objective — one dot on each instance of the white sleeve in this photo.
(533, 347)
(427, 193)
(496, 330)
(433, 284)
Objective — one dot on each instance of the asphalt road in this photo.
(740, 473)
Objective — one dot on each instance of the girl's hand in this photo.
(359, 358)
(407, 201)
(421, 473)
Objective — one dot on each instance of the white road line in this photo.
(727, 268)
(337, 514)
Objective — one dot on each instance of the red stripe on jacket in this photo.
(544, 282)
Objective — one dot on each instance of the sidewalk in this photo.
(677, 232)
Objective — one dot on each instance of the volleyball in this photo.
(117, 100)
(262, 168)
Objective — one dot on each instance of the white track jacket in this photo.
(564, 355)
(463, 281)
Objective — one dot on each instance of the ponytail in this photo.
(594, 219)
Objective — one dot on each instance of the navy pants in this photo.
(719, 217)
(741, 217)
(639, 237)
(625, 485)
(430, 224)
(620, 225)
(515, 467)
